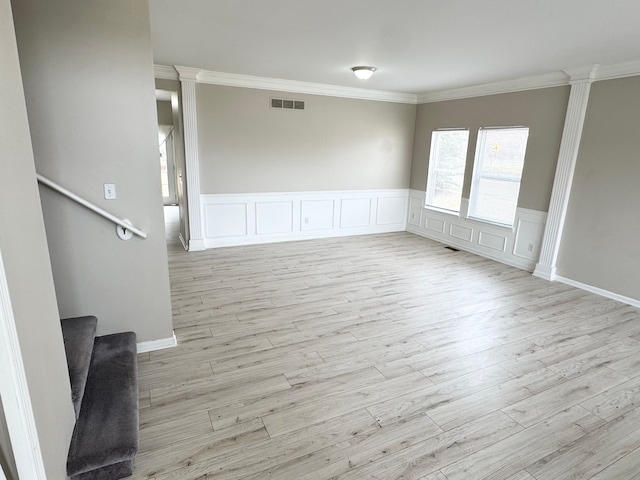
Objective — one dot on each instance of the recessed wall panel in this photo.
(225, 220)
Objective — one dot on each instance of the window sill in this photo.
(502, 226)
(453, 213)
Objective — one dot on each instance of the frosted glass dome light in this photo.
(363, 73)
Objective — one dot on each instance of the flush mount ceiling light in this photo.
(363, 73)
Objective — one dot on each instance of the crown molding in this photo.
(587, 73)
(534, 82)
(165, 72)
(619, 70)
(280, 85)
(293, 86)
(188, 73)
(592, 73)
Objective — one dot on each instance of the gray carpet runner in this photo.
(105, 437)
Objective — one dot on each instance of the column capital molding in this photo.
(587, 74)
(187, 73)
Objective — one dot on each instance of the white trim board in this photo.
(517, 246)
(282, 85)
(16, 400)
(254, 218)
(599, 291)
(533, 82)
(161, 344)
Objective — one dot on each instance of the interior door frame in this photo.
(14, 392)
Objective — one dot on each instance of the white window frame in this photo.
(429, 193)
(475, 179)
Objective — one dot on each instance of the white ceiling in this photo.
(418, 46)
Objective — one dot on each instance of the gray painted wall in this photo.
(88, 76)
(27, 266)
(543, 111)
(334, 144)
(165, 114)
(599, 245)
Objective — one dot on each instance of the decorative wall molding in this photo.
(533, 82)
(291, 86)
(188, 78)
(16, 399)
(518, 246)
(599, 291)
(165, 72)
(569, 147)
(251, 218)
(153, 345)
(555, 79)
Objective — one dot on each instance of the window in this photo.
(497, 173)
(446, 168)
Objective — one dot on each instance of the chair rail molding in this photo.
(581, 81)
(188, 78)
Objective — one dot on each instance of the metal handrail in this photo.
(85, 203)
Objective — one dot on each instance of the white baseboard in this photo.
(196, 245)
(518, 246)
(254, 218)
(182, 240)
(544, 272)
(599, 291)
(152, 345)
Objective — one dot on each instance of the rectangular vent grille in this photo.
(287, 104)
(452, 248)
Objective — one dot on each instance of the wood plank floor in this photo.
(386, 357)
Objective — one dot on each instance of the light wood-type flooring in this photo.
(386, 357)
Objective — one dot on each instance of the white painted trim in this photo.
(192, 165)
(196, 245)
(599, 291)
(165, 72)
(255, 218)
(281, 85)
(2, 475)
(182, 241)
(534, 82)
(620, 70)
(153, 345)
(567, 157)
(519, 246)
(16, 400)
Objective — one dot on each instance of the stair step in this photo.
(105, 438)
(78, 334)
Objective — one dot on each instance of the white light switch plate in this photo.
(109, 191)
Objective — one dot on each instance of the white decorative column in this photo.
(188, 77)
(569, 146)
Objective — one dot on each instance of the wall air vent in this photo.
(287, 104)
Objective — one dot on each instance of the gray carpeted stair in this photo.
(78, 334)
(105, 437)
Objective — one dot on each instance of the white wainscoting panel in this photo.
(355, 212)
(317, 215)
(243, 219)
(434, 224)
(495, 242)
(274, 217)
(415, 210)
(388, 210)
(518, 246)
(460, 232)
(225, 220)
